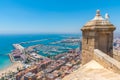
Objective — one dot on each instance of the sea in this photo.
(6, 42)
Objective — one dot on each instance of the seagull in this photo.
(107, 16)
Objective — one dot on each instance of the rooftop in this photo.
(29, 74)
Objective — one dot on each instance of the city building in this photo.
(29, 76)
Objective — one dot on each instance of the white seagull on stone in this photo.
(107, 16)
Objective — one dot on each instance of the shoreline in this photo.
(11, 68)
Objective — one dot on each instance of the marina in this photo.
(51, 57)
(21, 53)
(27, 42)
(7, 41)
(52, 51)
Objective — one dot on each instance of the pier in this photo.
(11, 58)
(32, 41)
(18, 46)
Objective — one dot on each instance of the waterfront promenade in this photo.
(12, 68)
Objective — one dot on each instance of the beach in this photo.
(12, 68)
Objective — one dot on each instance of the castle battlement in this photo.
(106, 61)
(97, 34)
(98, 60)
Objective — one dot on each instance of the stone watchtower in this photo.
(97, 34)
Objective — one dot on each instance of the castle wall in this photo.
(87, 47)
(116, 55)
(104, 40)
(97, 34)
(106, 61)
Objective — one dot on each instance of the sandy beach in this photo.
(12, 68)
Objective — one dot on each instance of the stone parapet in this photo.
(116, 55)
(106, 61)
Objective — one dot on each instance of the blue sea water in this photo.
(6, 42)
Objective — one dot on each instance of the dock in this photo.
(11, 58)
(18, 46)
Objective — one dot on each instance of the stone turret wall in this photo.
(106, 61)
(97, 34)
(88, 43)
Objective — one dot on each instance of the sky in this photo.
(53, 16)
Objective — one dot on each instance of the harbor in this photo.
(48, 58)
(50, 61)
(49, 50)
(50, 69)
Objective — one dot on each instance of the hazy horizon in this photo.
(53, 16)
